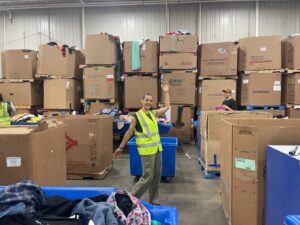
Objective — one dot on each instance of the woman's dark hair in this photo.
(1, 98)
(146, 94)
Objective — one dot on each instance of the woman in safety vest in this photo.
(6, 108)
(145, 128)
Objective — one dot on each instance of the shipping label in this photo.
(245, 164)
(13, 161)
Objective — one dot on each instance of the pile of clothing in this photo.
(24, 203)
(26, 118)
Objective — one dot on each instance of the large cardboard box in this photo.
(99, 82)
(148, 57)
(35, 153)
(178, 61)
(291, 53)
(178, 43)
(182, 87)
(218, 59)
(62, 94)
(243, 160)
(292, 112)
(291, 88)
(19, 64)
(210, 123)
(53, 62)
(181, 117)
(135, 87)
(259, 89)
(89, 144)
(260, 53)
(210, 93)
(23, 94)
(100, 49)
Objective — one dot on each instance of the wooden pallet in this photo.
(16, 80)
(93, 176)
(44, 76)
(96, 65)
(209, 173)
(247, 72)
(172, 71)
(289, 71)
(27, 107)
(215, 77)
(140, 74)
(110, 100)
(292, 106)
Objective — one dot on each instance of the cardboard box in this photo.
(178, 61)
(243, 160)
(100, 49)
(178, 43)
(135, 87)
(23, 94)
(95, 107)
(100, 83)
(182, 124)
(210, 123)
(89, 144)
(19, 64)
(276, 113)
(62, 94)
(218, 59)
(33, 153)
(291, 53)
(260, 53)
(259, 89)
(292, 112)
(210, 93)
(53, 62)
(148, 57)
(291, 88)
(182, 87)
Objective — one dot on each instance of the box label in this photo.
(109, 77)
(245, 81)
(26, 56)
(277, 82)
(222, 51)
(245, 164)
(298, 81)
(263, 49)
(13, 161)
(276, 88)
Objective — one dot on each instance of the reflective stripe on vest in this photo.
(153, 144)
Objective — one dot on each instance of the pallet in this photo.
(140, 74)
(93, 176)
(172, 71)
(44, 76)
(16, 80)
(208, 174)
(262, 107)
(53, 113)
(110, 100)
(96, 65)
(218, 77)
(27, 107)
(247, 72)
(292, 106)
(289, 71)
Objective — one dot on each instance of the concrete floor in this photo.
(196, 198)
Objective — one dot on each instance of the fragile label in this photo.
(263, 49)
(109, 77)
(26, 56)
(245, 164)
(245, 81)
(13, 161)
(276, 88)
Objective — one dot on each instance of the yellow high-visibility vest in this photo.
(4, 116)
(147, 141)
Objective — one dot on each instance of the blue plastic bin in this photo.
(166, 215)
(292, 220)
(169, 145)
(162, 127)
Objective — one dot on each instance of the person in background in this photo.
(229, 103)
(6, 108)
(145, 128)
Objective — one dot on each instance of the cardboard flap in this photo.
(47, 124)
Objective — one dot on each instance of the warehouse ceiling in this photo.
(25, 4)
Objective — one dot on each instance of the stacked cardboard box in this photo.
(100, 72)
(260, 71)
(291, 79)
(218, 71)
(140, 67)
(19, 85)
(59, 67)
(178, 67)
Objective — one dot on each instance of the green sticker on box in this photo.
(245, 164)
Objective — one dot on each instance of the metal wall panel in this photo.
(65, 26)
(183, 17)
(279, 18)
(129, 22)
(227, 21)
(26, 29)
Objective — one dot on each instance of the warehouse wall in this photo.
(213, 22)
